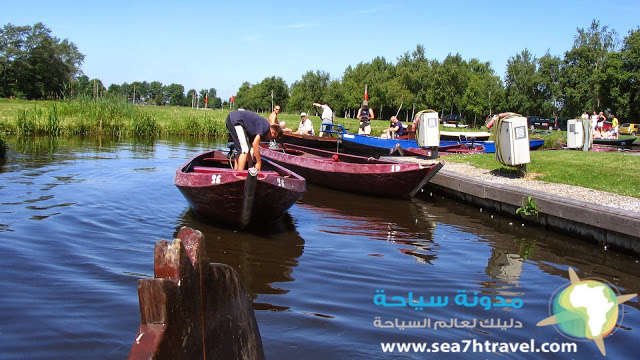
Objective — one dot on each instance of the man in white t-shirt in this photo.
(306, 126)
(327, 117)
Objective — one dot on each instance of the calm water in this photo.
(79, 219)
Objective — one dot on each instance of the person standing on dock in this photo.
(326, 116)
(248, 127)
(365, 115)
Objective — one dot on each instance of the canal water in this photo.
(339, 277)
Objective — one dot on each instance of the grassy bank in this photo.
(615, 172)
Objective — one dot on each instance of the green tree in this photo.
(630, 82)
(175, 94)
(414, 73)
(522, 93)
(156, 93)
(311, 88)
(583, 79)
(35, 64)
(476, 100)
(549, 75)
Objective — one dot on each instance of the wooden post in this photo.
(249, 191)
(193, 309)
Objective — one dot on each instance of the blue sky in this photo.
(220, 44)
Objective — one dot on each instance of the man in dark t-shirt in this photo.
(396, 129)
(248, 127)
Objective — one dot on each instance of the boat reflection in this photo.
(398, 221)
(263, 257)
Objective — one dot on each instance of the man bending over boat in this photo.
(248, 127)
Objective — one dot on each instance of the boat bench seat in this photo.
(218, 160)
(216, 170)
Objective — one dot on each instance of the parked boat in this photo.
(442, 150)
(373, 146)
(626, 141)
(325, 142)
(490, 146)
(353, 173)
(328, 142)
(238, 198)
(465, 135)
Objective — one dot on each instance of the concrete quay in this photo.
(605, 225)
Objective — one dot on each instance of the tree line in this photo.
(598, 73)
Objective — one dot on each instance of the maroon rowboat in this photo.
(215, 190)
(353, 173)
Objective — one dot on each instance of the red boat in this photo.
(238, 198)
(353, 173)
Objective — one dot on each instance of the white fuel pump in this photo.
(575, 134)
(428, 132)
(512, 141)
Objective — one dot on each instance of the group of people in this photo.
(597, 121)
(305, 127)
(248, 129)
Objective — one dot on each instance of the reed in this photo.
(3, 146)
(110, 116)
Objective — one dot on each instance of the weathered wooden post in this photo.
(193, 309)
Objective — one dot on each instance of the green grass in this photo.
(615, 172)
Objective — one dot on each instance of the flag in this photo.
(232, 98)
(366, 94)
(206, 98)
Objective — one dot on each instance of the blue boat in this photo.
(364, 145)
(373, 146)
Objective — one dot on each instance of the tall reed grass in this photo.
(3, 146)
(115, 116)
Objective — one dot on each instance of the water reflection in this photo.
(398, 221)
(72, 277)
(263, 257)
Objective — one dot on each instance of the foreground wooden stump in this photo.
(193, 309)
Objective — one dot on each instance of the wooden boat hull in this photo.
(354, 173)
(324, 142)
(218, 192)
(615, 142)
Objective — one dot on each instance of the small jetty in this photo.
(193, 309)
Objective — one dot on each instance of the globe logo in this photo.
(586, 309)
